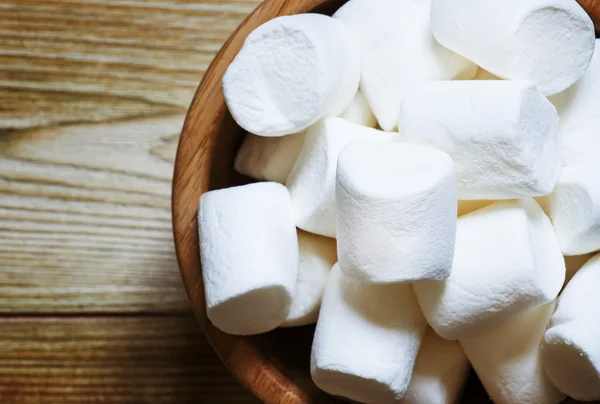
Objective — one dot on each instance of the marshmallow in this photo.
(574, 208)
(268, 158)
(367, 339)
(578, 108)
(249, 252)
(396, 212)
(502, 135)
(312, 179)
(547, 42)
(290, 72)
(317, 256)
(397, 52)
(570, 351)
(507, 359)
(574, 264)
(440, 372)
(506, 260)
(465, 207)
(359, 112)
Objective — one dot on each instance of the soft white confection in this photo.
(249, 252)
(571, 348)
(367, 339)
(574, 264)
(440, 372)
(312, 179)
(578, 108)
(317, 255)
(574, 208)
(547, 42)
(508, 362)
(397, 51)
(506, 260)
(396, 212)
(290, 72)
(502, 135)
(268, 158)
(359, 112)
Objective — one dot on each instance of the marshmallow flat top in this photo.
(571, 352)
(249, 251)
(312, 179)
(502, 135)
(359, 112)
(290, 72)
(507, 359)
(547, 42)
(506, 260)
(396, 212)
(574, 208)
(397, 51)
(367, 339)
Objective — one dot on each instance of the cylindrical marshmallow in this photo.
(507, 259)
(547, 42)
(440, 372)
(396, 212)
(290, 72)
(268, 158)
(312, 179)
(359, 112)
(397, 52)
(502, 135)
(571, 348)
(249, 252)
(367, 339)
(574, 208)
(317, 256)
(508, 362)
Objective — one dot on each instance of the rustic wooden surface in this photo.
(92, 98)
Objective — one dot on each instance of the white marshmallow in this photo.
(574, 264)
(312, 179)
(574, 208)
(507, 359)
(397, 52)
(367, 339)
(249, 252)
(506, 260)
(396, 212)
(547, 42)
(502, 135)
(571, 348)
(578, 108)
(290, 72)
(359, 112)
(268, 158)
(317, 256)
(440, 372)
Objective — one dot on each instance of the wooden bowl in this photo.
(273, 366)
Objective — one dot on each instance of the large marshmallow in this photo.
(317, 255)
(396, 212)
(290, 72)
(502, 135)
(359, 112)
(367, 339)
(574, 208)
(268, 158)
(397, 52)
(312, 179)
(440, 372)
(507, 259)
(508, 362)
(547, 42)
(571, 348)
(249, 252)
(578, 108)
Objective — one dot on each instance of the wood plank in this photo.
(111, 360)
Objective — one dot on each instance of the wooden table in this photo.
(92, 98)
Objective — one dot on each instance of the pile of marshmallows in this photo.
(523, 169)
